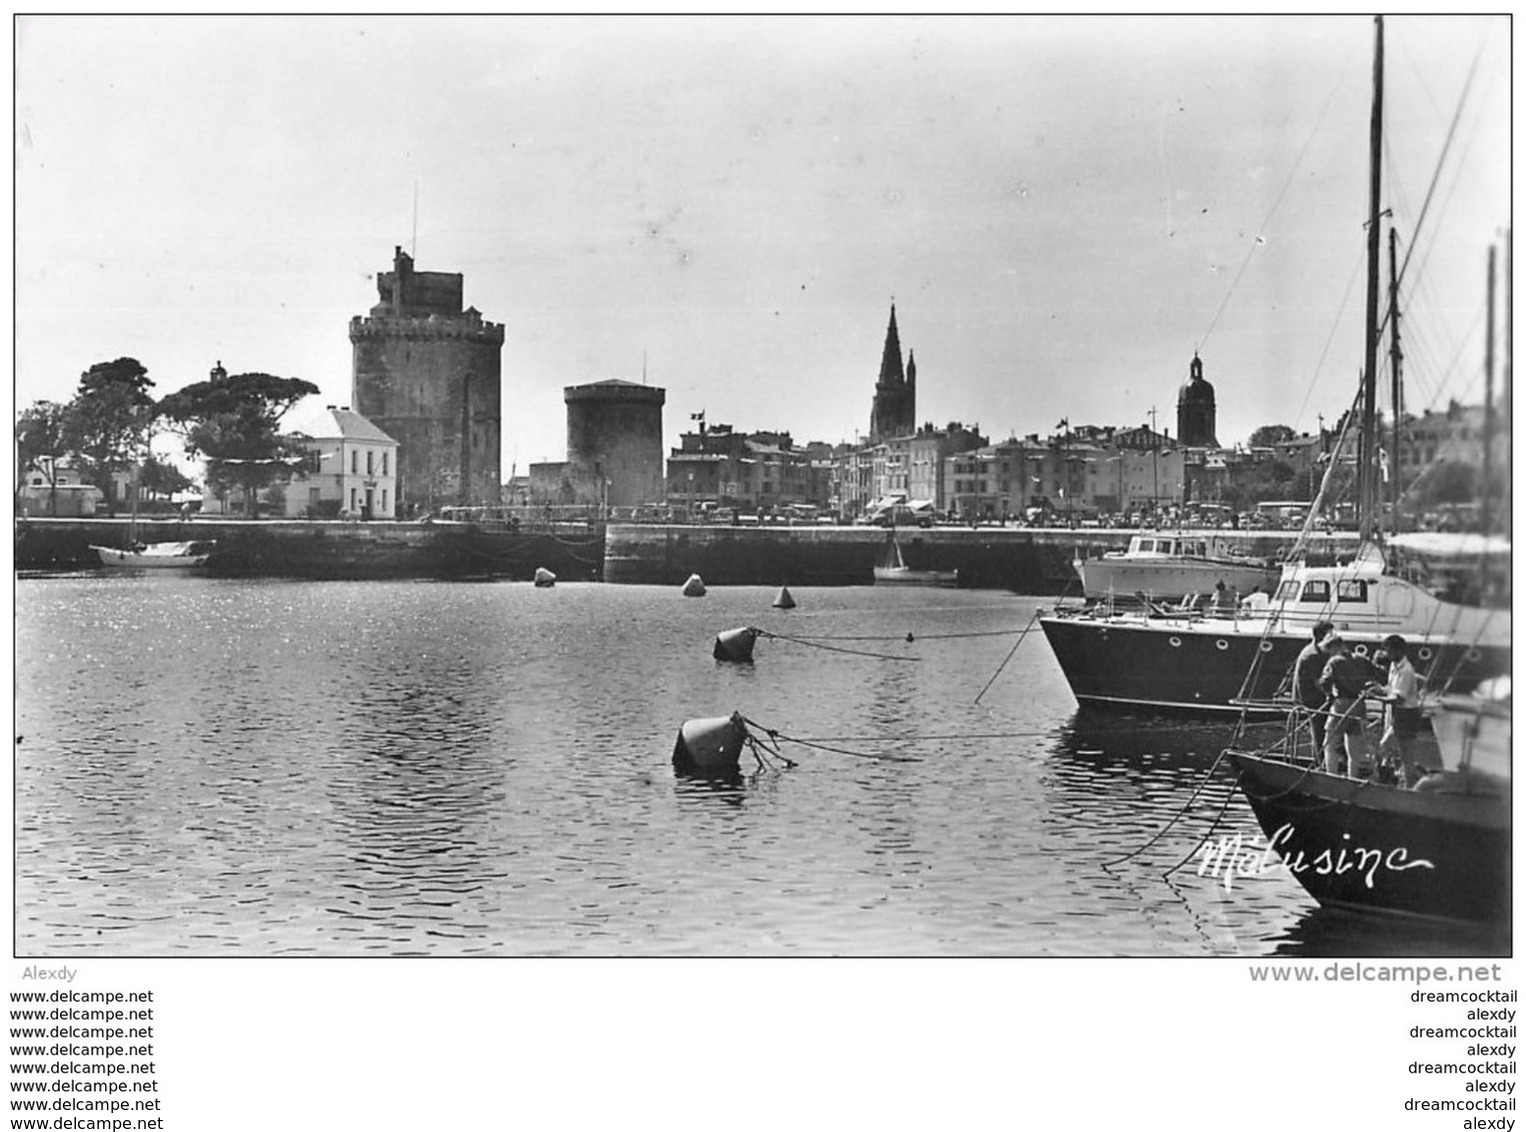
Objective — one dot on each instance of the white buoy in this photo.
(710, 746)
(735, 644)
(694, 587)
(784, 600)
(544, 577)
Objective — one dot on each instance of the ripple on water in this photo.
(253, 767)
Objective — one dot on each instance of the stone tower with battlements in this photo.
(429, 374)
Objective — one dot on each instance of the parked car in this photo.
(900, 515)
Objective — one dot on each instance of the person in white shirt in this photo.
(1402, 694)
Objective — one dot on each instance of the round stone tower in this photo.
(614, 435)
(429, 375)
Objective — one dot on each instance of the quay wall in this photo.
(1020, 559)
(1023, 559)
(328, 549)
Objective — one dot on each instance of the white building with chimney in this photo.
(352, 469)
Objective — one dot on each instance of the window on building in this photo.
(352, 499)
(384, 496)
(370, 455)
(384, 462)
(354, 461)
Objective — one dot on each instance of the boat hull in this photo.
(114, 559)
(897, 576)
(1443, 855)
(1202, 665)
(1170, 579)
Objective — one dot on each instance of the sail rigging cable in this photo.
(1301, 544)
(1259, 238)
(1446, 145)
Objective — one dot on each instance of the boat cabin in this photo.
(1366, 595)
(1170, 546)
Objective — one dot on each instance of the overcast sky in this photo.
(1063, 209)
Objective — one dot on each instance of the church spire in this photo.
(895, 406)
(891, 374)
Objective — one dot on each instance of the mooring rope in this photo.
(1187, 805)
(830, 648)
(927, 738)
(1028, 628)
(775, 736)
(909, 637)
(834, 743)
(1229, 796)
(761, 749)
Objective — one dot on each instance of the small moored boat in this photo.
(155, 556)
(892, 570)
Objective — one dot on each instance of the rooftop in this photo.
(331, 423)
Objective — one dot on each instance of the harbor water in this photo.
(267, 768)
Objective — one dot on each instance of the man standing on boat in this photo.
(1307, 670)
(1345, 680)
(1403, 697)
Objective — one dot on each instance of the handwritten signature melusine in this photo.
(1238, 856)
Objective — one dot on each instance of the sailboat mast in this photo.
(1395, 467)
(1505, 391)
(1484, 514)
(1367, 494)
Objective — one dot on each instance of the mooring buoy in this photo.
(710, 746)
(736, 644)
(694, 587)
(784, 600)
(544, 577)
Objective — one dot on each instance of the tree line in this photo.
(1446, 480)
(229, 421)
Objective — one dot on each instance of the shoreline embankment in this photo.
(1034, 560)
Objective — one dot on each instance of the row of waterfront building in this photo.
(424, 432)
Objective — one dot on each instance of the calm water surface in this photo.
(210, 767)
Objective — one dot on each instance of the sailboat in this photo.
(892, 570)
(1440, 849)
(159, 556)
(1160, 658)
(155, 556)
